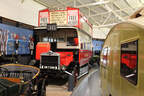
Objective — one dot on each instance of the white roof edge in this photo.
(44, 27)
(137, 21)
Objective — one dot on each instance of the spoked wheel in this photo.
(75, 75)
(41, 87)
(88, 68)
(73, 79)
(4, 72)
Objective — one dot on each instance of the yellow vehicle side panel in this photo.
(112, 81)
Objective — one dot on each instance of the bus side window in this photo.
(72, 41)
(81, 45)
(129, 61)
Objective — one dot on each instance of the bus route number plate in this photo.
(51, 27)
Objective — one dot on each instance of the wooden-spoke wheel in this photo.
(73, 79)
(75, 75)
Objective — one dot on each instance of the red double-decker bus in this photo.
(63, 42)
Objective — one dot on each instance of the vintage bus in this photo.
(122, 59)
(63, 43)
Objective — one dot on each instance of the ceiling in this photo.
(101, 13)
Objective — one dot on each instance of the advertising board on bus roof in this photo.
(68, 17)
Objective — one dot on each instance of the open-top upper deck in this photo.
(71, 17)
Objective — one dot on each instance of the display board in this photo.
(43, 17)
(58, 17)
(73, 16)
(68, 17)
(8, 36)
(97, 45)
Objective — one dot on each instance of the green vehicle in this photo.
(122, 59)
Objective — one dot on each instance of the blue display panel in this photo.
(97, 45)
(8, 39)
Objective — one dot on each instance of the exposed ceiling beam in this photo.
(89, 12)
(109, 17)
(93, 4)
(96, 23)
(99, 14)
(110, 10)
(42, 3)
(106, 25)
(89, 15)
(74, 3)
(104, 13)
(62, 3)
(122, 9)
(142, 1)
(47, 5)
(86, 7)
(22, 1)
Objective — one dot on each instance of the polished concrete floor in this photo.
(90, 86)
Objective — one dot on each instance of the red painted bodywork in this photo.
(84, 56)
(42, 48)
(129, 59)
(65, 58)
(76, 41)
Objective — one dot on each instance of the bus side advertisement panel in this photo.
(84, 56)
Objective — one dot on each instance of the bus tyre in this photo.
(72, 80)
(88, 67)
(75, 75)
(41, 87)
